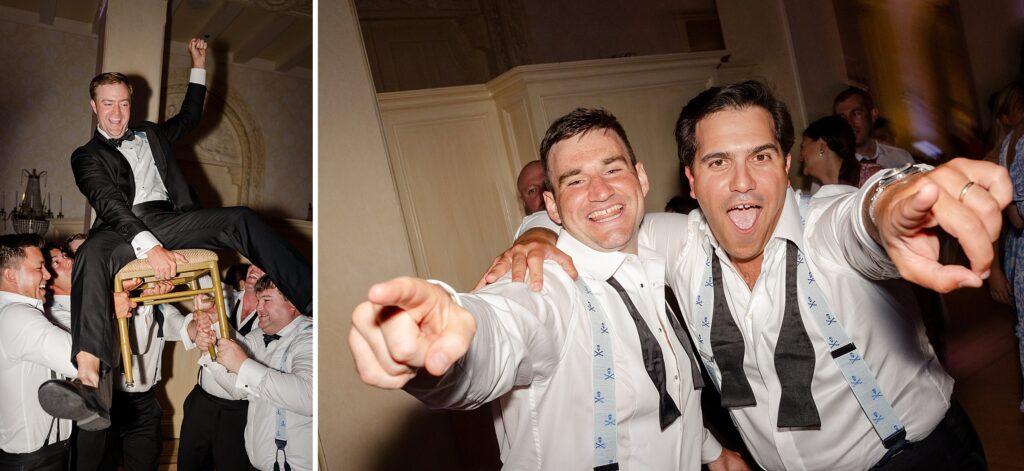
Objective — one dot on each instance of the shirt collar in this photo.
(597, 264)
(8, 297)
(105, 135)
(292, 326)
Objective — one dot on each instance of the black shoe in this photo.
(75, 401)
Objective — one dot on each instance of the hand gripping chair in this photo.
(200, 263)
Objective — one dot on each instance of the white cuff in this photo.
(197, 76)
(250, 374)
(185, 340)
(448, 289)
(867, 190)
(143, 242)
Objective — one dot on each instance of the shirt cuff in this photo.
(143, 242)
(710, 450)
(185, 340)
(864, 195)
(250, 374)
(535, 220)
(197, 76)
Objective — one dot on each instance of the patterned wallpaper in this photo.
(44, 110)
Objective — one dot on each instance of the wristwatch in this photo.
(891, 179)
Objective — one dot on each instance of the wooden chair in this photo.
(200, 263)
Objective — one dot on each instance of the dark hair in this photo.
(263, 284)
(839, 137)
(852, 92)
(108, 78)
(236, 274)
(732, 97)
(66, 245)
(12, 248)
(577, 123)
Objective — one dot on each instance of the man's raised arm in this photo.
(962, 197)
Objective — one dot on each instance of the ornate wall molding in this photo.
(235, 143)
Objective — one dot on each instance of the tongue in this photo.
(744, 218)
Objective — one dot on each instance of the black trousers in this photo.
(52, 457)
(953, 445)
(212, 433)
(105, 252)
(134, 435)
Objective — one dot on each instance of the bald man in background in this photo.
(531, 187)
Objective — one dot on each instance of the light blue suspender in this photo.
(280, 415)
(603, 380)
(849, 360)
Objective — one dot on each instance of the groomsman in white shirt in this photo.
(592, 374)
(819, 354)
(214, 419)
(32, 351)
(271, 367)
(136, 413)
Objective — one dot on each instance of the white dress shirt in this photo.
(533, 352)
(147, 353)
(148, 184)
(60, 311)
(31, 349)
(888, 156)
(881, 317)
(269, 388)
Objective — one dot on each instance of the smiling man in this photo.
(820, 357)
(275, 376)
(31, 349)
(588, 374)
(145, 209)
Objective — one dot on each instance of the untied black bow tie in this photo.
(794, 353)
(269, 338)
(129, 135)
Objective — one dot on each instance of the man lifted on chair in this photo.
(144, 209)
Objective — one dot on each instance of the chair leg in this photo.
(126, 346)
(218, 294)
(194, 285)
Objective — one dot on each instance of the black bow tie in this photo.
(129, 135)
(269, 338)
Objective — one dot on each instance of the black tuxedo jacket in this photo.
(105, 178)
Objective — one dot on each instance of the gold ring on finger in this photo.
(963, 192)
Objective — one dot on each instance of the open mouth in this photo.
(607, 214)
(744, 216)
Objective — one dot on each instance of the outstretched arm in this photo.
(407, 324)
(964, 198)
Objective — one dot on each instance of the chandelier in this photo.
(31, 216)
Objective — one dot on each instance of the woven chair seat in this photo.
(197, 258)
(200, 263)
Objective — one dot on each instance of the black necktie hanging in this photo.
(794, 357)
(654, 362)
(727, 347)
(794, 353)
(675, 318)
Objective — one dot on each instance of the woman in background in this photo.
(1007, 282)
(829, 153)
